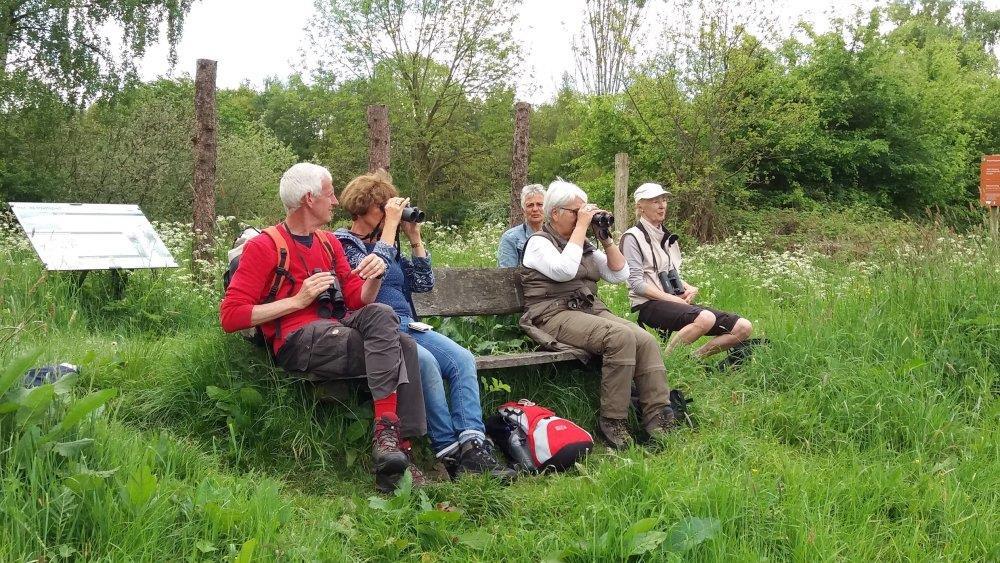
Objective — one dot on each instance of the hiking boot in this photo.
(614, 432)
(661, 423)
(478, 456)
(419, 478)
(388, 460)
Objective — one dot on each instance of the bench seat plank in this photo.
(522, 359)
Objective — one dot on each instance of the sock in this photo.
(447, 450)
(466, 435)
(386, 406)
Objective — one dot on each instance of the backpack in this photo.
(253, 334)
(535, 439)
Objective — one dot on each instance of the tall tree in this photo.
(605, 47)
(62, 42)
(701, 96)
(438, 53)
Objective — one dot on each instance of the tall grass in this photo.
(867, 429)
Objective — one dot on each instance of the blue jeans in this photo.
(442, 359)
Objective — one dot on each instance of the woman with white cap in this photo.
(657, 292)
(562, 311)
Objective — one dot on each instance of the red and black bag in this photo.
(535, 439)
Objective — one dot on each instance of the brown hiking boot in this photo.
(662, 422)
(419, 478)
(388, 460)
(614, 432)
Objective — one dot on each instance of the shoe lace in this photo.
(482, 454)
(386, 437)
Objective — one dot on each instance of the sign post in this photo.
(989, 190)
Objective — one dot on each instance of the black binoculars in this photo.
(671, 281)
(603, 220)
(331, 301)
(413, 215)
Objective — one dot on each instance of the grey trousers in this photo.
(366, 344)
(628, 353)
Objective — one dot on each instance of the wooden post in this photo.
(519, 160)
(378, 137)
(622, 218)
(205, 152)
(995, 222)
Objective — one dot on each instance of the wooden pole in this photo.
(378, 137)
(622, 218)
(995, 222)
(205, 152)
(519, 160)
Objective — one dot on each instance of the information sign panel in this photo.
(989, 180)
(85, 236)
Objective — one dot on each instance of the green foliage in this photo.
(64, 43)
(866, 430)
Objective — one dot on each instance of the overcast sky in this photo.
(254, 39)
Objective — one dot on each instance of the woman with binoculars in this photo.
(656, 290)
(559, 279)
(456, 432)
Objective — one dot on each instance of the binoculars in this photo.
(413, 215)
(671, 281)
(603, 220)
(331, 301)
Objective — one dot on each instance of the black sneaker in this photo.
(739, 354)
(388, 460)
(477, 456)
(614, 432)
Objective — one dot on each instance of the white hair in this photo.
(530, 190)
(301, 179)
(560, 193)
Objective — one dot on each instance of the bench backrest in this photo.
(460, 292)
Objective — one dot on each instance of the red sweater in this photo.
(253, 277)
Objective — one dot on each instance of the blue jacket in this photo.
(404, 276)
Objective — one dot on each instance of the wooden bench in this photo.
(473, 292)
(466, 292)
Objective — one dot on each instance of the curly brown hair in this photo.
(373, 188)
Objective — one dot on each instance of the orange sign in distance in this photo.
(989, 180)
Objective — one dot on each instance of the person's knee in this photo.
(429, 368)
(381, 312)
(742, 329)
(464, 358)
(619, 338)
(644, 339)
(704, 321)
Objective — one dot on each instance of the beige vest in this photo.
(652, 249)
(544, 297)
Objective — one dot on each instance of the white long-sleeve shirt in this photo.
(540, 254)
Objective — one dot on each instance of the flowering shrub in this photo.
(743, 259)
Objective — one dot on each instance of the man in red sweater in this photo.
(300, 332)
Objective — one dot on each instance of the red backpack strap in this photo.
(280, 272)
(325, 241)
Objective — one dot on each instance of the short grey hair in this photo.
(560, 193)
(530, 190)
(301, 179)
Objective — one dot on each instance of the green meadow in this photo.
(868, 429)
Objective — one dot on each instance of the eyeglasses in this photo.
(573, 211)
